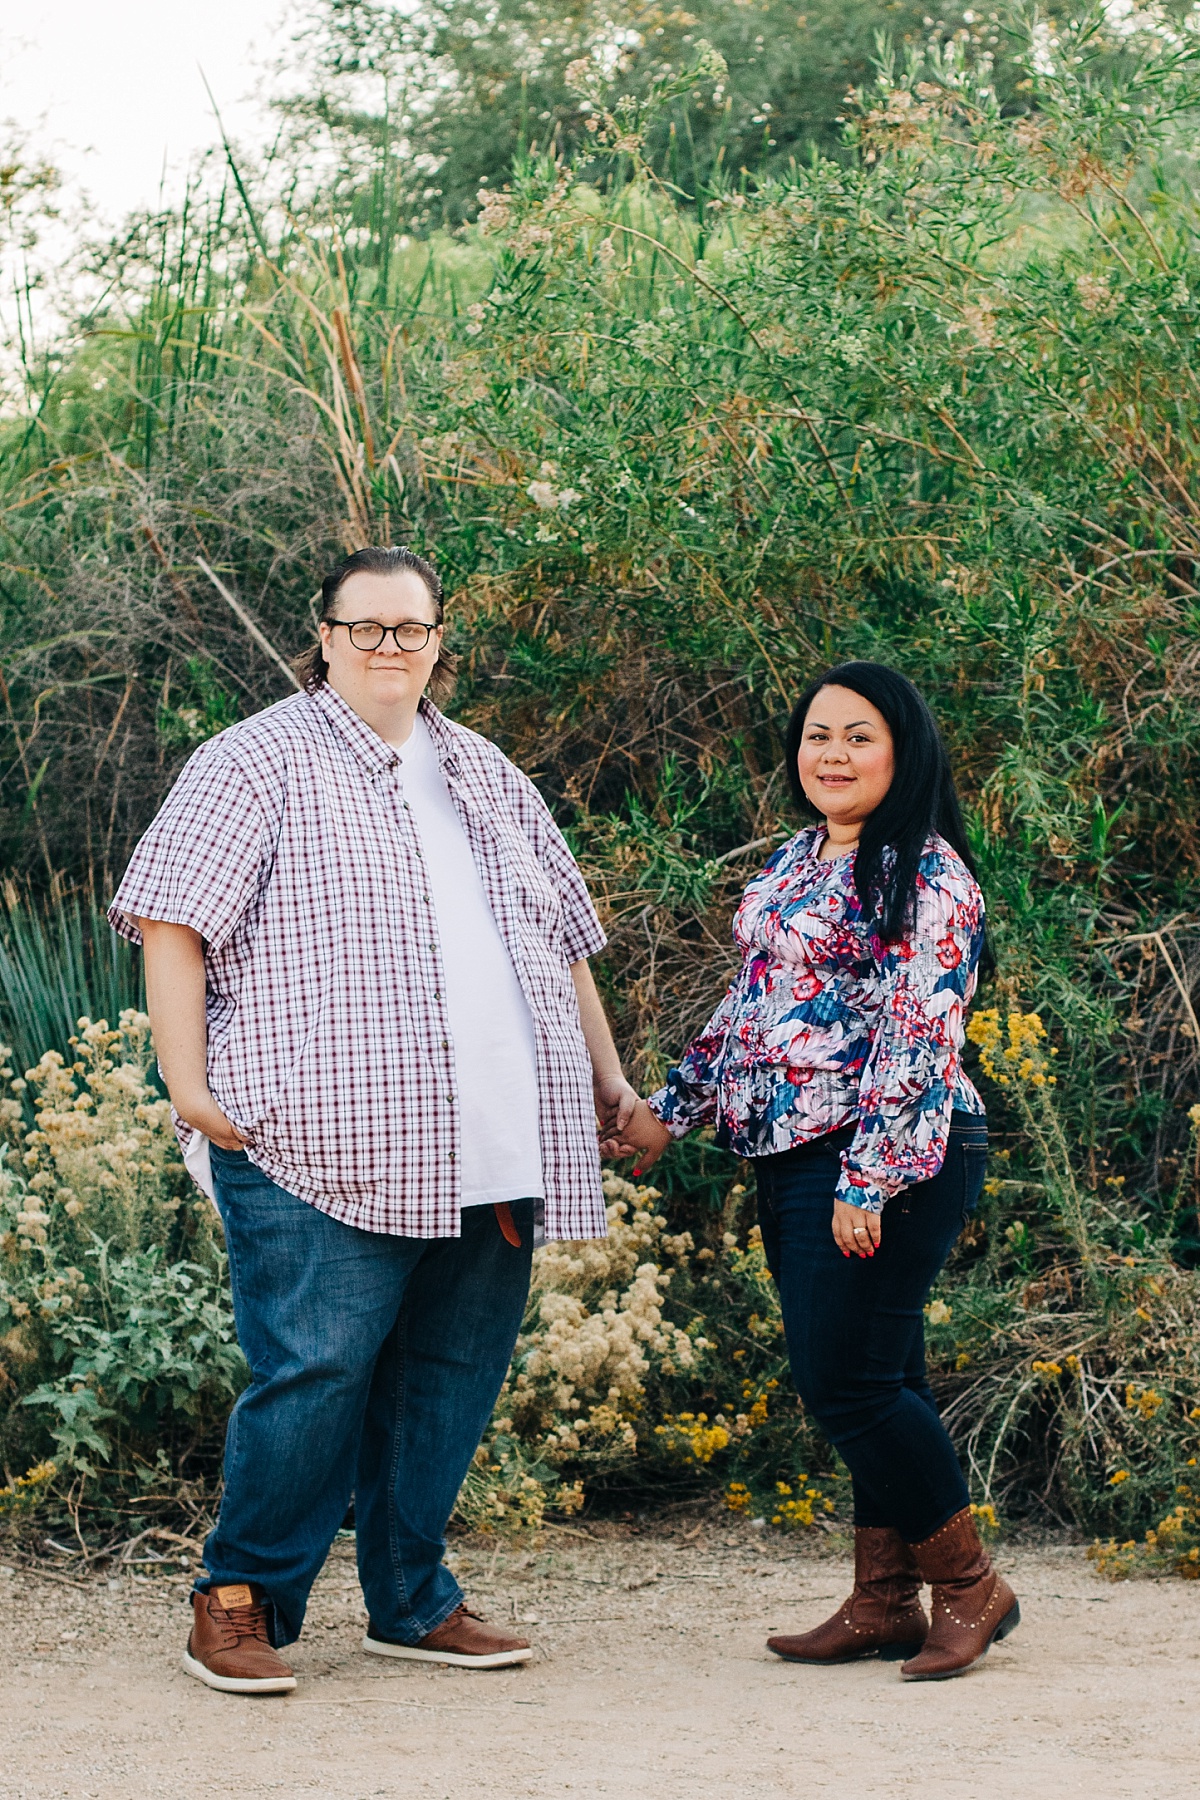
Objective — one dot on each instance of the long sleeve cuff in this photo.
(665, 1107)
(858, 1190)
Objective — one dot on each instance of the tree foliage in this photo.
(459, 88)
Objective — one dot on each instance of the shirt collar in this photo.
(366, 743)
(442, 733)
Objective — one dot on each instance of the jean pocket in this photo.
(217, 1154)
(975, 1159)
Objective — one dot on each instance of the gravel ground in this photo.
(650, 1677)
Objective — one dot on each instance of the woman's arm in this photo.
(175, 988)
(906, 1090)
(687, 1100)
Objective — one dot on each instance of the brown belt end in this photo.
(507, 1224)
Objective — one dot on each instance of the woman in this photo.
(366, 955)
(834, 1061)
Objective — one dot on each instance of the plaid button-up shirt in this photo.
(287, 844)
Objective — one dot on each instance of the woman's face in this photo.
(380, 678)
(846, 758)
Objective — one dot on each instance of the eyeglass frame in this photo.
(405, 624)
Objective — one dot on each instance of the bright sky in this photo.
(111, 90)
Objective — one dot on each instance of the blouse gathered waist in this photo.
(825, 1026)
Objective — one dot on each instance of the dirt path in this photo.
(651, 1678)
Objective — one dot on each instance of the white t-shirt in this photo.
(490, 1023)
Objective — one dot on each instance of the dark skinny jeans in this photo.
(856, 1326)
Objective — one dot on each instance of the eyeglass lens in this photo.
(368, 635)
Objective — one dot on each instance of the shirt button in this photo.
(445, 1041)
(453, 1156)
(437, 993)
(425, 898)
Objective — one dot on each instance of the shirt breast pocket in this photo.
(537, 898)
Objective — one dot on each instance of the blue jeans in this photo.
(375, 1363)
(856, 1328)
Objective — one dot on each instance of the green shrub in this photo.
(117, 1347)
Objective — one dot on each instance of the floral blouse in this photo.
(826, 1026)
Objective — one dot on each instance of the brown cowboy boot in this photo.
(972, 1606)
(882, 1617)
(230, 1648)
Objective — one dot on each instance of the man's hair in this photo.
(377, 559)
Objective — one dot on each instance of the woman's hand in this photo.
(645, 1137)
(856, 1232)
(203, 1114)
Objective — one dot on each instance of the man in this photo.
(366, 952)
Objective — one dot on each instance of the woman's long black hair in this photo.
(921, 799)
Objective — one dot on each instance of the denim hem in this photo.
(423, 1631)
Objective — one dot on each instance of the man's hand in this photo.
(615, 1101)
(645, 1137)
(856, 1232)
(202, 1112)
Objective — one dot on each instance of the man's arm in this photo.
(175, 1001)
(615, 1099)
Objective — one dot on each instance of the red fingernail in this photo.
(637, 1172)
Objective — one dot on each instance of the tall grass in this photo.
(60, 961)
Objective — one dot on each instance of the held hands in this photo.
(642, 1135)
(615, 1101)
(856, 1232)
(203, 1114)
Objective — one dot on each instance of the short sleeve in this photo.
(583, 934)
(201, 863)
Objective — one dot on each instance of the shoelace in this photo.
(245, 1621)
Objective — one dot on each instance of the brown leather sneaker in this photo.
(463, 1639)
(883, 1616)
(229, 1647)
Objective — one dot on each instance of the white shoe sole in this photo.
(499, 1659)
(237, 1684)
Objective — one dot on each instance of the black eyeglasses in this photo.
(368, 634)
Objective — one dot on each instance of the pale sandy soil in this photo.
(651, 1680)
